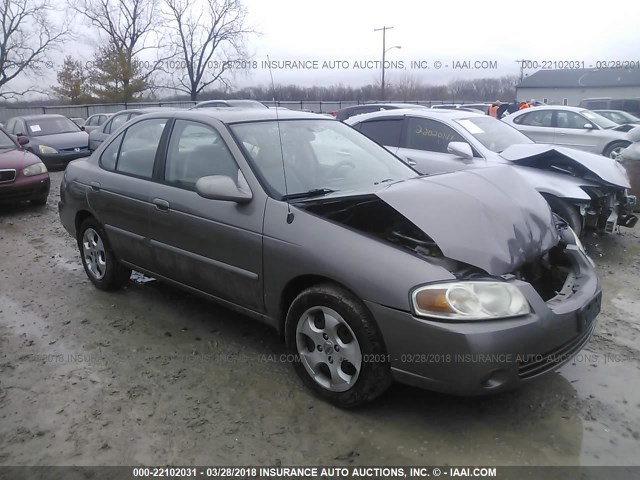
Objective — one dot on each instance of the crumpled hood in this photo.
(540, 155)
(490, 218)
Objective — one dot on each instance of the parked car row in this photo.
(586, 190)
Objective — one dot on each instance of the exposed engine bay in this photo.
(370, 215)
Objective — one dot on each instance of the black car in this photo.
(348, 112)
(54, 138)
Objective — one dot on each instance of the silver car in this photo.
(100, 134)
(95, 121)
(369, 271)
(587, 190)
(571, 127)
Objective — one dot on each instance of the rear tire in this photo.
(615, 149)
(99, 262)
(339, 351)
(566, 211)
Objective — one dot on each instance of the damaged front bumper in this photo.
(609, 209)
(479, 357)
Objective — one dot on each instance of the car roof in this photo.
(237, 115)
(108, 114)
(146, 110)
(436, 114)
(39, 116)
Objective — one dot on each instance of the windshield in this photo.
(319, 155)
(5, 141)
(599, 120)
(50, 126)
(493, 134)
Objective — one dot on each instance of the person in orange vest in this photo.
(493, 109)
(523, 105)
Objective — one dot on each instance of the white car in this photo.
(571, 127)
(586, 190)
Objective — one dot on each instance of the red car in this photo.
(23, 176)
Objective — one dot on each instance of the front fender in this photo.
(561, 186)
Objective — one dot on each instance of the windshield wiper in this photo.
(383, 181)
(314, 192)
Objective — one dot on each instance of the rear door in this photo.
(537, 125)
(121, 196)
(387, 131)
(99, 135)
(211, 245)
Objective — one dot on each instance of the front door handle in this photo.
(161, 205)
(411, 163)
(95, 186)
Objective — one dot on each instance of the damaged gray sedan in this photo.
(463, 283)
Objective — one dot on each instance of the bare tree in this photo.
(209, 40)
(27, 36)
(129, 26)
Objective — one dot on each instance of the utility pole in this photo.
(384, 52)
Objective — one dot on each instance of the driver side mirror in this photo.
(82, 128)
(589, 126)
(22, 140)
(460, 149)
(221, 187)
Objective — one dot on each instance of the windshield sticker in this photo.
(471, 127)
(34, 128)
(425, 132)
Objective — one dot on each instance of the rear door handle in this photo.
(95, 186)
(161, 205)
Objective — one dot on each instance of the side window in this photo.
(110, 154)
(20, 128)
(197, 150)
(430, 135)
(596, 105)
(93, 120)
(138, 151)
(617, 105)
(385, 132)
(541, 118)
(116, 123)
(571, 120)
(11, 125)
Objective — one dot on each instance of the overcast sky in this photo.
(498, 31)
(504, 31)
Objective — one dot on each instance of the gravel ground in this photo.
(151, 375)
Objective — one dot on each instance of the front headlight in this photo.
(35, 169)
(469, 301)
(44, 149)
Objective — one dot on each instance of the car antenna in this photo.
(284, 170)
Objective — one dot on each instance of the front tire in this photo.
(615, 149)
(339, 351)
(100, 264)
(566, 211)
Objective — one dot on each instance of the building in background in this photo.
(570, 87)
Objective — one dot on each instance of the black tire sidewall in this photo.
(116, 275)
(566, 211)
(374, 376)
(613, 146)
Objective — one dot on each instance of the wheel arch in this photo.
(81, 216)
(613, 142)
(294, 287)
